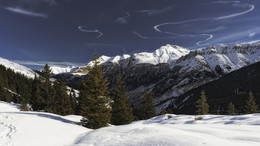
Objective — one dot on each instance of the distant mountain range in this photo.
(169, 72)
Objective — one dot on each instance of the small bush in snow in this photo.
(198, 118)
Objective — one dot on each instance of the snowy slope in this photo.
(36, 128)
(41, 129)
(17, 68)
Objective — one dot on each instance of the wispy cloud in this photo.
(26, 12)
(209, 37)
(42, 63)
(232, 36)
(49, 2)
(86, 29)
(151, 37)
(102, 45)
(123, 20)
(236, 4)
(219, 28)
(252, 34)
(156, 12)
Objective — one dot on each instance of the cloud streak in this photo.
(25, 12)
(102, 45)
(33, 2)
(42, 63)
(148, 37)
(252, 34)
(210, 36)
(123, 20)
(236, 4)
(85, 29)
(156, 12)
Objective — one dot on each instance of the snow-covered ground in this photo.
(38, 128)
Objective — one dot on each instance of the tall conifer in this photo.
(251, 106)
(121, 109)
(46, 88)
(36, 99)
(147, 109)
(94, 99)
(202, 105)
(231, 109)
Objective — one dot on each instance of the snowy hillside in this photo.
(38, 128)
(17, 68)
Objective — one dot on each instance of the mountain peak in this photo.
(165, 54)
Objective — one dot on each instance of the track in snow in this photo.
(6, 130)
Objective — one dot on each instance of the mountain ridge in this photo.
(169, 78)
(18, 68)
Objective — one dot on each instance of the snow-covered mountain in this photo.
(171, 71)
(21, 128)
(232, 56)
(17, 68)
(62, 69)
(165, 54)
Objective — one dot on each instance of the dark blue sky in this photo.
(69, 31)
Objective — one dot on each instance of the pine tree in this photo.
(251, 106)
(201, 104)
(46, 73)
(231, 109)
(121, 109)
(73, 101)
(52, 101)
(62, 103)
(46, 88)
(94, 99)
(147, 109)
(36, 99)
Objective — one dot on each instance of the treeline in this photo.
(38, 94)
(14, 87)
(202, 107)
(53, 97)
(98, 105)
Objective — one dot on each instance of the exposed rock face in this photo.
(172, 70)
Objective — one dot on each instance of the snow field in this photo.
(19, 128)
